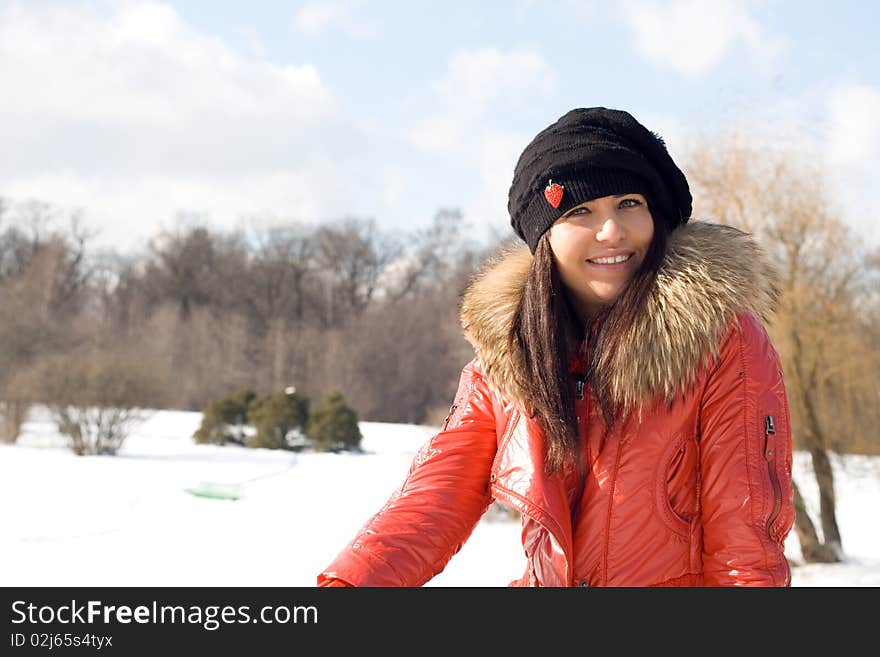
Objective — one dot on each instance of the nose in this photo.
(611, 230)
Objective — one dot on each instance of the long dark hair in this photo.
(548, 333)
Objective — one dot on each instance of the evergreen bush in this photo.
(226, 419)
(279, 421)
(333, 425)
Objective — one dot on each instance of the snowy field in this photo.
(128, 520)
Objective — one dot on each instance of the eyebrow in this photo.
(616, 196)
(612, 196)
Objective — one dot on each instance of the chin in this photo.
(607, 297)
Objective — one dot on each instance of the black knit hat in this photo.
(589, 153)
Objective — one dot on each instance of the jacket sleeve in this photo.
(433, 512)
(745, 458)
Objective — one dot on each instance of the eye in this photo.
(576, 211)
(634, 202)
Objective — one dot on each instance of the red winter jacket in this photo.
(695, 490)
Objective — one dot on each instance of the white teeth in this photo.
(611, 261)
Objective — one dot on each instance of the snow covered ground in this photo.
(128, 520)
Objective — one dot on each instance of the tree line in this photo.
(202, 312)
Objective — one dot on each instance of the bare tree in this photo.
(779, 198)
(13, 413)
(283, 258)
(183, 269)
(95, 397)
(351, 255)
(428, 264)
(275, 293)
(44, 287)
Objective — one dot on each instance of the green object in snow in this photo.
(220, 491)
(216, 491)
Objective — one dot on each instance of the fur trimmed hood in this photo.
(710, 274)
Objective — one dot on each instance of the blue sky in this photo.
(145, 115)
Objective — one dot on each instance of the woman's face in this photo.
(582, 240)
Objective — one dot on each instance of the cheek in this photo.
(645, 230)
(566, 256)
(566, 242)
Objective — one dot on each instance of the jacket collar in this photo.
(711, 273)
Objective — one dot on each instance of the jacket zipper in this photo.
(449, 415)
(770, 430)
(582, 469)
(511, 497)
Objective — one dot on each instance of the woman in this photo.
(624, 395)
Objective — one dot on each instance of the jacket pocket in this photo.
(677, 487)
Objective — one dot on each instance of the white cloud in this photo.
(853, 153)
(438, 134)
(140, 67)
(481, 86)
(476, 83)
(495, 163)
(134, 115)
(127, 211)
(854, 135)
(317, 18)
(478, 78)
(692, 36)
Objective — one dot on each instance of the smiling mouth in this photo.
(614, 260)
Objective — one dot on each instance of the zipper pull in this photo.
(579, 389)
(769, 430)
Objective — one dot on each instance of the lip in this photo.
(617, 266)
